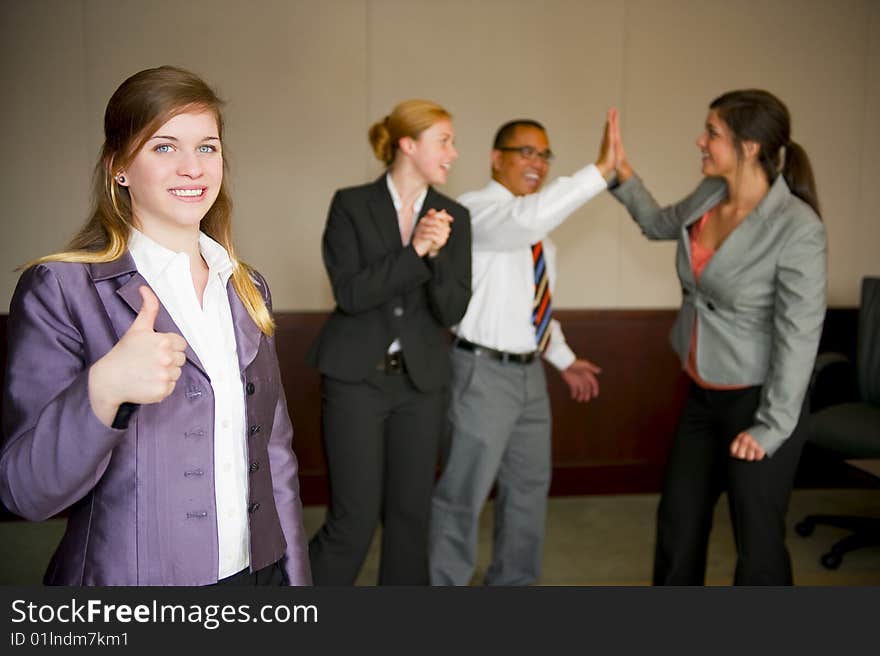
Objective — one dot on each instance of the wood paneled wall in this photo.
(614, 444)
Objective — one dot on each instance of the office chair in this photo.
(846, 421)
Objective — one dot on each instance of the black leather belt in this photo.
(494, 354)
(393, 363)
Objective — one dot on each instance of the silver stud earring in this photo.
(120, 179)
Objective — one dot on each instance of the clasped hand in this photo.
(432, 232)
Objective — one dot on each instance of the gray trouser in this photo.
(500, 414)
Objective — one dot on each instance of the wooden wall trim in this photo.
(615, 444)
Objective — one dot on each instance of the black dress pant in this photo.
(700, 468)
(270, 575)
(382, 439)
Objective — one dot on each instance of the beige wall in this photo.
(304, 79)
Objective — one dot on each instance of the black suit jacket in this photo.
(384, 290)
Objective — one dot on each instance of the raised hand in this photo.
(624, 170)
(143, 366)
(606, 162)
(582, 381)
(432, 232)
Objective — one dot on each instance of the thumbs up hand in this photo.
(143, 366)
(146, 318)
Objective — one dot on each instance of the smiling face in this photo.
(433, 152)
(175, 177)
(522, 175)
(717, 148)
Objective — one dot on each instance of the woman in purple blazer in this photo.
(143, 393)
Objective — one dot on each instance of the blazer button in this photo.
(710, 305)
(254, 507)
(193, 393)
(250, 389)
(398, 311)
(254, 466)
(256, 428)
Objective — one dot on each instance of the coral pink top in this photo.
(700, 256)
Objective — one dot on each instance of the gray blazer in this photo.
(760, 302)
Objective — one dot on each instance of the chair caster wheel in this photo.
(831, 560)
(804, 528)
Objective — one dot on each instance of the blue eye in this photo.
(207, 148)
(163, 148)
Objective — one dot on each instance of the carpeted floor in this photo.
(593, 540)
(609, 540)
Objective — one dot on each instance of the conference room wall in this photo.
(304, 80)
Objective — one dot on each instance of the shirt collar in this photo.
(499, 189)
(395, 198)
(218, 260)
(153, 260)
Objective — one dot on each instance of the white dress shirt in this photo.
(398, 204)
(208, 329)
(504, 227)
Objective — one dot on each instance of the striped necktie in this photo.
(542, 307)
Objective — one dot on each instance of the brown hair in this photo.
(759, 116)
(143, 103)
(408, 119)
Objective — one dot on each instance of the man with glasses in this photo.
(499, 408)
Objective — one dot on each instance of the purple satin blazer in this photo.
(141, 499)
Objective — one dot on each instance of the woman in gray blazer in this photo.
(751, 261)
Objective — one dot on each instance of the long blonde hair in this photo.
(408, 119)
(143, 103)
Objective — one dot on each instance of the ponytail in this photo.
(798, 175)
(380, 140)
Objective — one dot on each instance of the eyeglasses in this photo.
(528, 152)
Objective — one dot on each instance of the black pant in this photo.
(381, 439)
(700, 468)
(270, 575)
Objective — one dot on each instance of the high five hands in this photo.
(432, 232)
(143, 366)
(612, 157)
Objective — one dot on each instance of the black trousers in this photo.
(700, 468)
(270, 575)
(382, 439)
